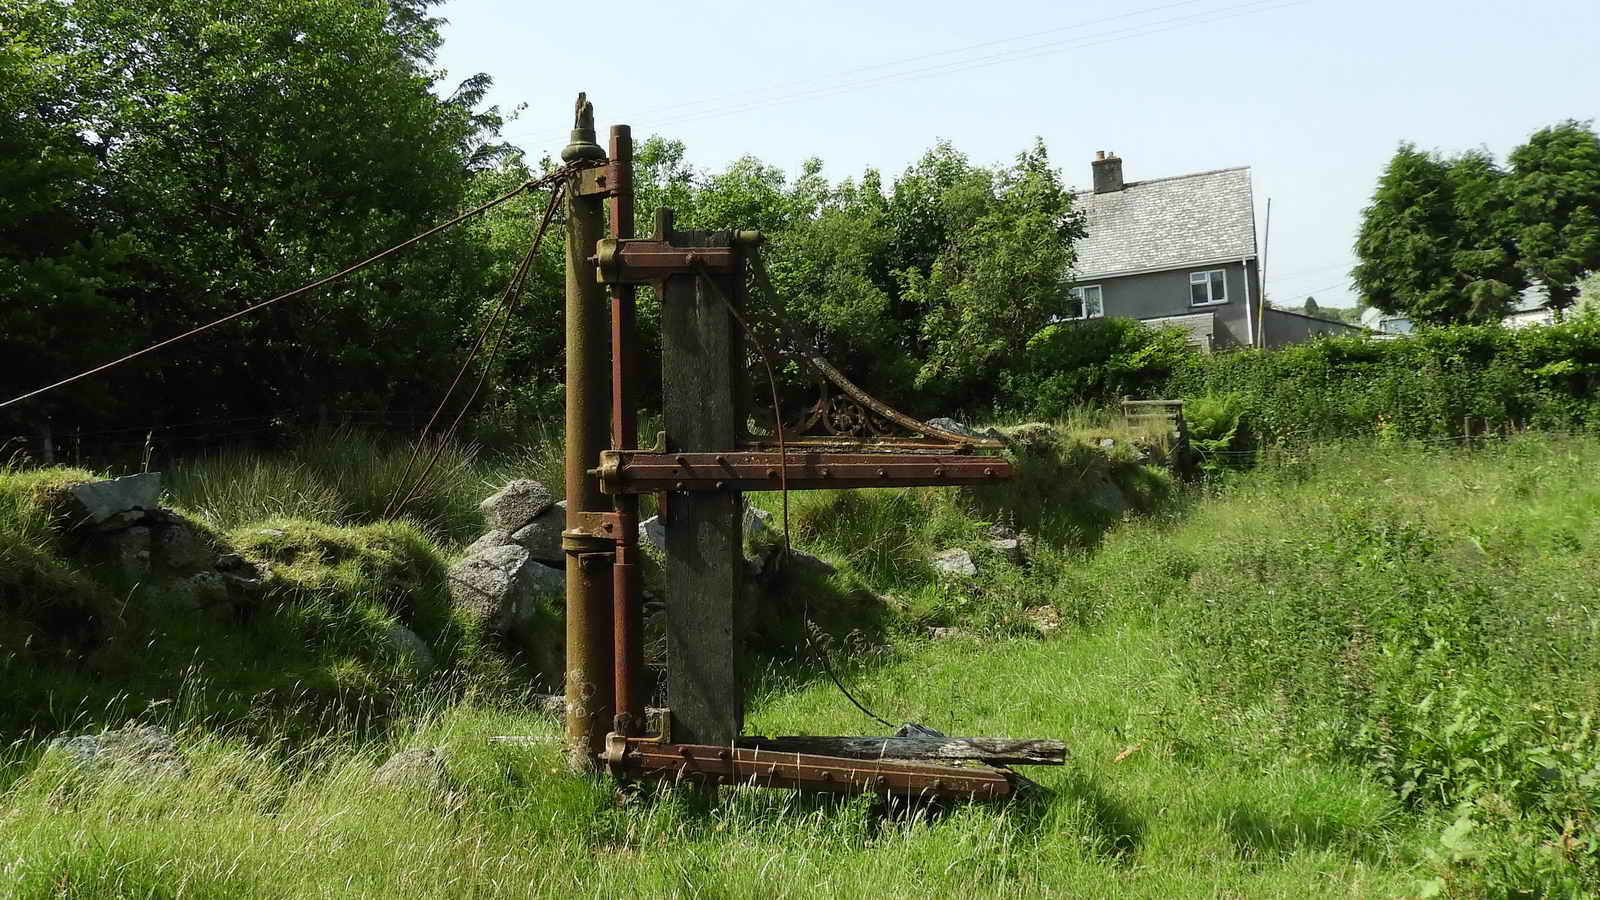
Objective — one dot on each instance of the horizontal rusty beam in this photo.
(641, 261)
(640, 472)
(709, 764)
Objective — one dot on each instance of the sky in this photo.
(1313, 95)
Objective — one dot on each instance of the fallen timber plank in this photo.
(996, 751)
(720, 765)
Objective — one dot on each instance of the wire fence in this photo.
(67, 445)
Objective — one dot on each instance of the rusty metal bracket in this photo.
(598, 181)
(643, 472)
(602, 525)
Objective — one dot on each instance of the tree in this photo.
(1555, 200)
(1000, 275)
(240, 149)
(59, 265)
(1311, 306)
(1436, 243)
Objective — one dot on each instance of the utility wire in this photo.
(502, 314)
(1030, 52)
(349, 270)
(804, 82)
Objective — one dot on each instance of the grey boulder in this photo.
(542, 536)
(409, 647)
(99, 501)
(955, 561)
(516, 504)
(493, 587)
(148, 750)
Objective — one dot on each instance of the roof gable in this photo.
(1168, 223)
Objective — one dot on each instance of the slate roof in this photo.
(1168, 223)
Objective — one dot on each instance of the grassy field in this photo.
(1359, 672)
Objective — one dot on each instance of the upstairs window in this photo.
(1206, 288)
(1085, 303)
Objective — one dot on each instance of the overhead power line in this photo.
(963, 65)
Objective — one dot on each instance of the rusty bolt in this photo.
(938, 473)
(882, 474)
(772, 473)
(681, 460)
(678, 485)
(720, 485)
(721, 460)
(988, 471)
(609, 526)
(824, 472)
(722, 754)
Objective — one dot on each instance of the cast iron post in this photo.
(588, 676)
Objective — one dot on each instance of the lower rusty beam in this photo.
(715, 765)
(640, 472)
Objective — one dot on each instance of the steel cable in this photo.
(562, 173)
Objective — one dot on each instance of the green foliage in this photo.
(1454, 239)
(1424, 386)
(1435, 243)
(999, 275)
(193, 157)
(1072, 363)
(1555, 197)
(1427, 634)
(1217, 428)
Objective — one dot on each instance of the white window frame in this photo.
(1204, 277)
(1078, 292)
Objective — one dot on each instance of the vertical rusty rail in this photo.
(588, 675)
(627, 614)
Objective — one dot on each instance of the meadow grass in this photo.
(1360, 671)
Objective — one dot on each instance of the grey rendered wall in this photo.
(1167, 294)
(1288, 328)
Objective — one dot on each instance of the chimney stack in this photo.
(1107, 168)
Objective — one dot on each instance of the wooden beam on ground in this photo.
(995, 751)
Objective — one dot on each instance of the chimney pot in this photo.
(1100, 154)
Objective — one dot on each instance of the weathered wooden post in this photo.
(702, 356)
(588, 557)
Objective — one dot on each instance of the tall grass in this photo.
(348, 476)
(1356, 671)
